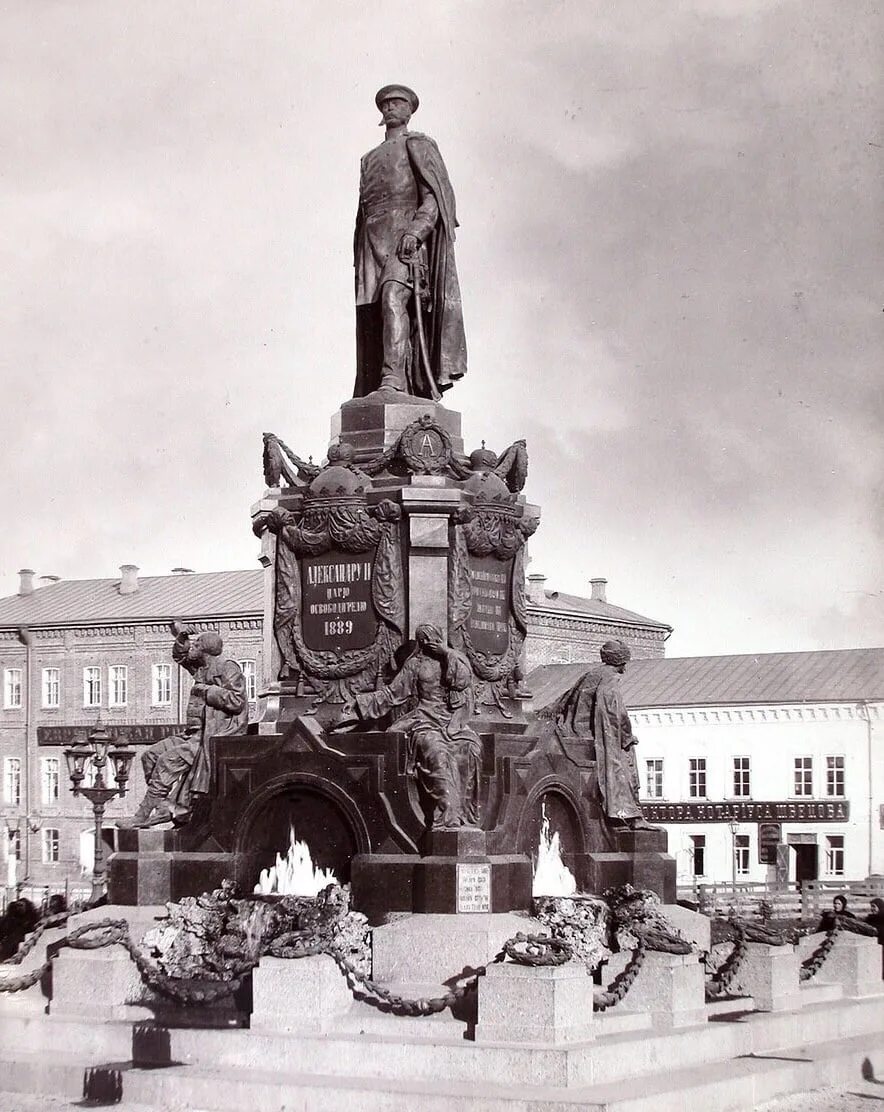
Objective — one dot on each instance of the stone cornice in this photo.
(760, 713)
(538, 623)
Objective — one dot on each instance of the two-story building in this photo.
(762, 767)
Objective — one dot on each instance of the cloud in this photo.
(668, 253)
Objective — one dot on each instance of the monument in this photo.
(393, 737)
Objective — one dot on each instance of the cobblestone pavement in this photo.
(860, 1097)
(22, 1102)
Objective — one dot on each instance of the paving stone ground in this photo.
(861, 1097)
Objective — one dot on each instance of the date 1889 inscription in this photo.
(336, 607)
(489, 612)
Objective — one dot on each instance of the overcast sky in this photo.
(669, 255)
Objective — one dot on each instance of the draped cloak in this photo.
(443, 316)
(594, 709)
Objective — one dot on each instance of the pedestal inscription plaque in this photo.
(336, 604)
(488, 623)
(473, 888)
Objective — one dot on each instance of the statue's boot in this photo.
(163, 813)
(141, 818)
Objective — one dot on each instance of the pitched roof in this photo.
(159, 597)
(836, 675)
(559, 602)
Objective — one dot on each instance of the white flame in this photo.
(295, 874)
(551, 876)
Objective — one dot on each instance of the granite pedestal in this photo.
(307, 995)
(771, 976)
(855, 964)
(535, 1004)
(671, 987)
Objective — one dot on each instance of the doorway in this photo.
(806, 863)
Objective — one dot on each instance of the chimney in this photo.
(48, 580)
(26, 581)
(182, 571)
(536, 593)
(128, 579)
(599, 590)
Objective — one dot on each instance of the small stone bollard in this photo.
(672, 987)
(298, 994)
(854, 963)
(771, 976)
(535, 1004)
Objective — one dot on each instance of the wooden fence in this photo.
(792, 901)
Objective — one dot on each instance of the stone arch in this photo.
(322, 814)
(568, 817)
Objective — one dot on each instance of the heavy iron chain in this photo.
(622, 983)
(719, 983)
(34, 937)
(523, 949)
(811, 965)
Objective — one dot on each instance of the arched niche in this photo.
(322, 815)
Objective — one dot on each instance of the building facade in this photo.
(73, 650)
(567, 629)
(765, 768)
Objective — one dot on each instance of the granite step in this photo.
(626, 1047)
(736, 1085)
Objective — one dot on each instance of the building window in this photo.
(654, 779)
(118, 685)
(835, 776)
(741, 854)
(835, 855)
(11, 688)
(250, 675)
(13, 844)
(742, 781)
(91, 687)
(697, 778)
(162, 685)
(51, 687)
(50, 779)
(698, 854)
(50, 846)
(12, 780)
(804, 776)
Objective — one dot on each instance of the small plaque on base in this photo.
(473, 888)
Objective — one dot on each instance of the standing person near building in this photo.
(876, 919)
(839, 907)
(177, 768)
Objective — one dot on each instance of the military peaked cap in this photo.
(397, 91)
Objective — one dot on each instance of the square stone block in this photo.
(465, 841)
(771, 976)
(671, 987)
(299, 994)
(855, 964)
(535, 1004)
(432, 949)
(428, 530)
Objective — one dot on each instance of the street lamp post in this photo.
(100, 748)
(733, 827)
